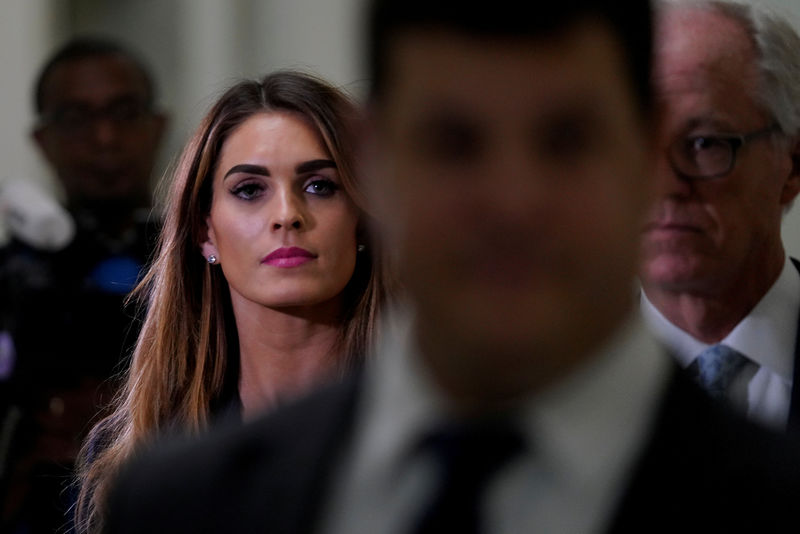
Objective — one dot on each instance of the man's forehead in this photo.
(94, 80)
(706, 71)
(703, 42)
(431, 69)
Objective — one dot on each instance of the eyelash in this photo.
(330, 187)
(248, 190)
(251, 190)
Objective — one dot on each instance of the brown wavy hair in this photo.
(186, 356)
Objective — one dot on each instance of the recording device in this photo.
(34, 216)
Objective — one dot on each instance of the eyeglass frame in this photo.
(734, 141)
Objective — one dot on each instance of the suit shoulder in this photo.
(710, 458)
(235, 472)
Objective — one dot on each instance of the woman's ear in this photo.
(208, 247)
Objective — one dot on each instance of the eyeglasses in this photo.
(79, 120)
(711, 156)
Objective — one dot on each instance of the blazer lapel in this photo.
(308, 459)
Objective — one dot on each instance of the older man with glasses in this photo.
(719, 289)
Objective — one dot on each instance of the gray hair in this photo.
(777, 46)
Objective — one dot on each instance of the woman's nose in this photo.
(287, 212)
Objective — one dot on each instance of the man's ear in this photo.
(208, 246)
(39, 137)
(792, 185)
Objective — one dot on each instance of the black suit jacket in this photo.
(703, 469)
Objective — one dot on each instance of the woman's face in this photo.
(281, 225)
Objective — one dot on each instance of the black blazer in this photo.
(703, 469)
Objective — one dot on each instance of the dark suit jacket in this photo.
(703, 469)
(793, 424)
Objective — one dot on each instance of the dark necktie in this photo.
(716, 367)
(468, 456)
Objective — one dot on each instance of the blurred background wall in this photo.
(196, 48)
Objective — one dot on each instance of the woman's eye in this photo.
(247, 191)
(324, 188)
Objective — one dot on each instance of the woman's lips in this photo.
(288, 257)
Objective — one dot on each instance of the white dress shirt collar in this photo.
(591, 423)
(586, 430)
(767, 335)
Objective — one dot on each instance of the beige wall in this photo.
(27, 30)
(791, 223)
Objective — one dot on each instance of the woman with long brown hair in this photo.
(265, 282)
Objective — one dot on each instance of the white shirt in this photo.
(767, 336)
(584, 432)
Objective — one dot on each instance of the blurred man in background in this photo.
(66, 328)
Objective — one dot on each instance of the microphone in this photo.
(34, 216)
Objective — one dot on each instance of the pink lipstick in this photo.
(287, 257)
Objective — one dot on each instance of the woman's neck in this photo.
(284, 353)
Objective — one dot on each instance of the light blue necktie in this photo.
(716, 367)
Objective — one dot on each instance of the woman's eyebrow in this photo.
(315, 165)
(247, 168)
